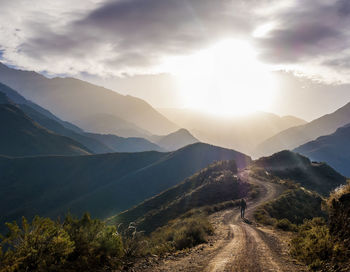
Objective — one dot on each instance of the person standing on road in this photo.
(243, 206)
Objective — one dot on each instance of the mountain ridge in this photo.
(293, 137)
(73, 99)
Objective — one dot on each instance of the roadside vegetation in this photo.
(325, 244)
(320, 226)
(290, 209)
(72, 245)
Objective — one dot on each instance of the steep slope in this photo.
(20, 100)
(97, 143)
(49, 121)
(72, 99)
(21, 136)
(215, 184)
(121, 144)
(296, 136)
(101, 184)
(241, 133)
(175, 140)
(287, 165)
(333, 149)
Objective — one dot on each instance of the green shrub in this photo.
(42, 245)
(313, 244)
(294, 205)
(180, 234)
(286, 225)
(96, 245)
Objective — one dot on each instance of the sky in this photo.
(224, 57)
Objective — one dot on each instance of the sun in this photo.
(225, 79)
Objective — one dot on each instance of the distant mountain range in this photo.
(72, 99)
(296, 136)
(175, 140)
(110, 124)
(100, 184)
(241, 133)
(96, 143)
(21, 136)
(333, 149)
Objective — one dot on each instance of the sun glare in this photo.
(225, 79)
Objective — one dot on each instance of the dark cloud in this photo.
(308, 30)
(339, 63)
(139, 32)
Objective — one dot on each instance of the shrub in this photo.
(180, 234)
(42, 245)
(312, 244)
(286, 225)
(96, 245)
(294, 205)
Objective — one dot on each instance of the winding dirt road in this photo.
(239, 245)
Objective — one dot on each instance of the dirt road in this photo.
(239, 245)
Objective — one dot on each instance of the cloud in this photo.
(135, 34)
(308, 31)
(113, 37)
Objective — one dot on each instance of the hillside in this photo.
(296, 136)
(314, 176)
(121, 144)
(175, 140)
(101, 184)
(334, 149)
(109, 124)
(21, 136)
(215, 184)
(241, 133)
(72, 99)
(97, 143)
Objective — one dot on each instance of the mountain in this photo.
(110, 124)
(97, 143)
(288, 165)
(20, 100)
(121, 144)
(334, 149)
(21, 136)
(215, 184)
(72, 99)
(100, 184)
(241, 133)
(175, 140)
(296, 136)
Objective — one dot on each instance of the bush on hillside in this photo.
(42, 245)
(313, 244)
(326, 246)
(286, 225)
(180, 234)
(295, 205)
(96, 245)
(74, 245)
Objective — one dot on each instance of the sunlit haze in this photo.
(225, 79)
